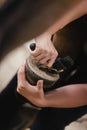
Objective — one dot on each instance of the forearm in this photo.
(67, 12)
(67, 97)
(62, 13)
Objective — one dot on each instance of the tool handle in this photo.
(32, 46)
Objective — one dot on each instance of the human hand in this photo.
(34, 94)
(45, 52)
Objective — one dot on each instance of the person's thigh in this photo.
(57, 119)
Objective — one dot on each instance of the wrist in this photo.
(44, 36)
(42, 103)
(46, 101)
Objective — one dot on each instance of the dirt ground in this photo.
(10, 65)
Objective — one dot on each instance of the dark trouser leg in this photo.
(9, 103)
(57, 119)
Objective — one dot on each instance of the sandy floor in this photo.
(10, 65)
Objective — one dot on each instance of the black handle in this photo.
(32, 46)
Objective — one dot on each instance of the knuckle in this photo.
(20, 88)
(20, 71)
(56, 53)
(52, 53)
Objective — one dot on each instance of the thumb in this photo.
(40, 84)
(50, 62)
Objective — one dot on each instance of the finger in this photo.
(35, 53)
(40, 84)
(44, 60)
(21, 74)
(50, 62)
(40, 57)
